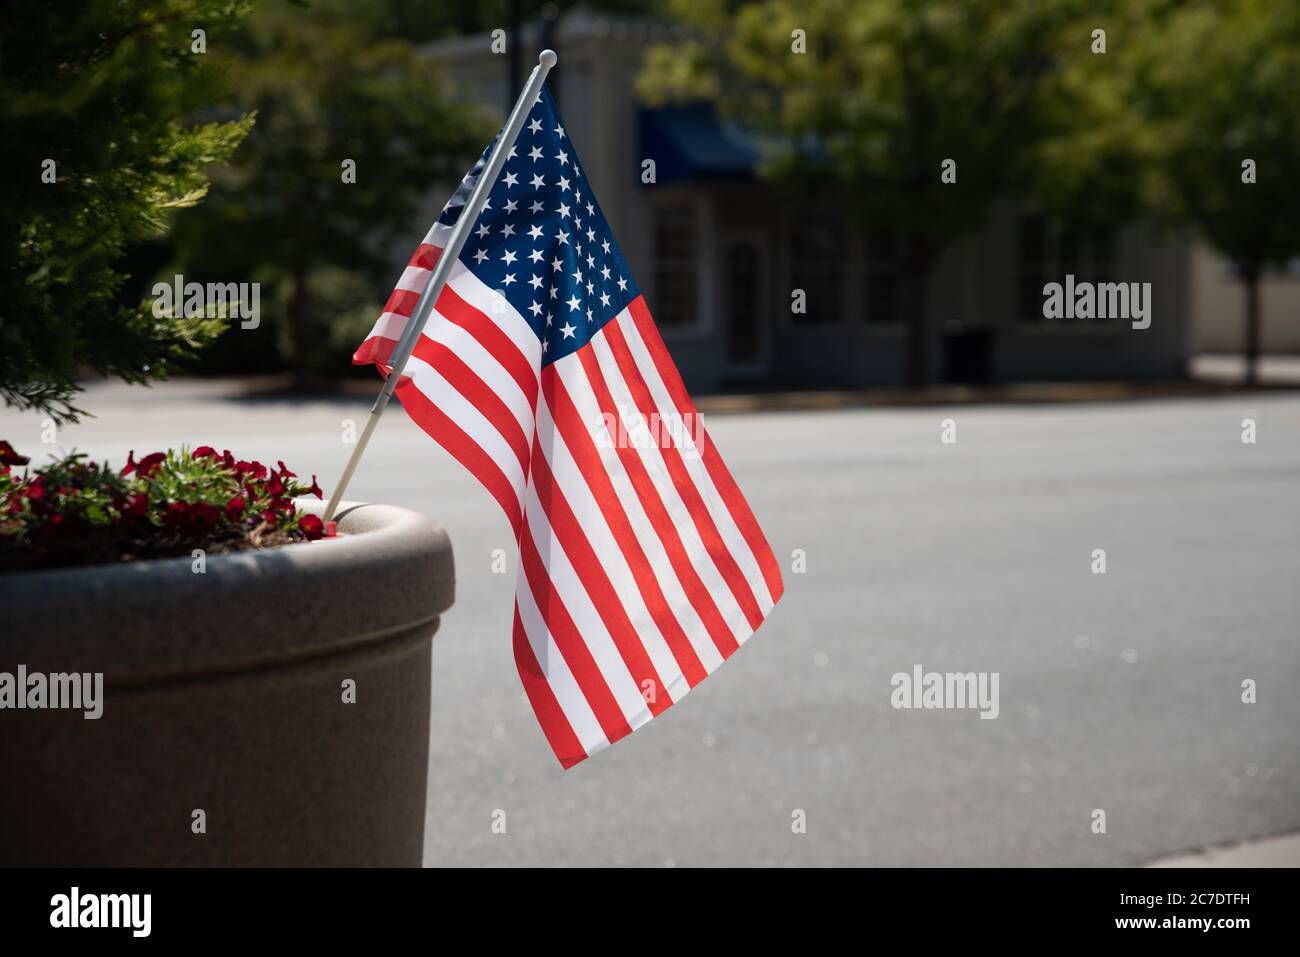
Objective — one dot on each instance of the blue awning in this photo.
(689, 142)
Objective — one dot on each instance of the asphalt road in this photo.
(1119, 692)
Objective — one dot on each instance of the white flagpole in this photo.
(459, 233)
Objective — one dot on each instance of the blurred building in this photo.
(717, 254)
(1219, 306)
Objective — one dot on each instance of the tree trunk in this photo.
(1250, 276)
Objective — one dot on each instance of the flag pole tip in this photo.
(547, 58)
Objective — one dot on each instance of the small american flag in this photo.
(641, 567)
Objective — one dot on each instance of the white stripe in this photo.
(414, 279)
(571, 484)
(498, 309)
(557, 674)
(570, 371)
(591, 629)
(680, 515)
(467, 416)
(695, 467)
(485, 365)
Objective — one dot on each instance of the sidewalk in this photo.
(1279, 851)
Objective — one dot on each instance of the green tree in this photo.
(97, 107)
(1216, 84)
(884, 94)
(354, 130)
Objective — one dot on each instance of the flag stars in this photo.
(536, 256)
(604, 299)
(510, 277)
(508, 257)
(483, 229)
(535, 126)
(605, 245)
(507, 230)
(538, 181)
(564, 183)
(535, 282)
(604, 272)
(480, 256)
(573, 303)
(536, 207)
(562, 237)
(535, 308)
(568, 330)
(535, 232)
(562, 156)
(557, 264)
(622, 284)
(559, 130)
(535, 153)
(511, 179)
(563, 210)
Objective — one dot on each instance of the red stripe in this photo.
(690, 495)
(402, 302)
(455, 309)
(466, 381)
(575, 651)
(556, 727)
(377, 350)
(426, 257)
(578, 440)
(722, 480)
(462, 448)
(564, 525)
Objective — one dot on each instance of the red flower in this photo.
(9, 457)
(312, 527)
(204, 452)
(135, 510)
(193, 518)
(129, 467)
(315, 489)
(255, 470)
(275, 487)
(235, 508)
(150, 464)
(284, 472)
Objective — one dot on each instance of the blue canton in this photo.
(542, 241)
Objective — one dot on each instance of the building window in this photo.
(817, 267)
(677, 268)
(1049, 251)
(888, 291)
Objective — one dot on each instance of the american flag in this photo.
(641, 567)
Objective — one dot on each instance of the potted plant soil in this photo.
(265, 686)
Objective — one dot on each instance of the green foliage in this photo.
(107, 90)
(885, 92)
(74, 511)
(1217, 83)
(326, 88)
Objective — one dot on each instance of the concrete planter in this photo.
(223, 692)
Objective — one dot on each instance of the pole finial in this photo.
(547, 58)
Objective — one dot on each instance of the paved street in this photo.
(1120, 692)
